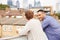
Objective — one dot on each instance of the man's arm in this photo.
(24, 30)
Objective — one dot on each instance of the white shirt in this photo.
(36, 31)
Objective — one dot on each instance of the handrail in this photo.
(8, 38)
(14, 24)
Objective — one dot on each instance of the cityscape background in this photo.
(29, 3)
(12, 14)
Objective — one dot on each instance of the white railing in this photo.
(15, 38)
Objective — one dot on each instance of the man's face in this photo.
(40, 15)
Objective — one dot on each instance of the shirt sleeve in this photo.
(24, 30)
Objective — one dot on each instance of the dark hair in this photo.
(40, 10)
(29, 14)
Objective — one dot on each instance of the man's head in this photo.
(41, 14)
(29, 14)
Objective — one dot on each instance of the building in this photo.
(30, 5)
(10, 3)
(12, 6)
(48, 9)
(25, 4)
(37, 3)
(17, 4)
(58, 6)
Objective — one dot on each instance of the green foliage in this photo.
(58, 14)
(3, 6)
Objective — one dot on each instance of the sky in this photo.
(43, 2)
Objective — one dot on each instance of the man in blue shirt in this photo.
(50, 25)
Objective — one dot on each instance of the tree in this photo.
(3, 6)
(58, 14)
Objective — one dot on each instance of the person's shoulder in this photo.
(49, 17)
(34, 21)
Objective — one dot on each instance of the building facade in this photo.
(10, 3)
(17, 4)
(37, 3)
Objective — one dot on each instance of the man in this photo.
(50, 25)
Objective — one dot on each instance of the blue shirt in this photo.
(51, 27)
